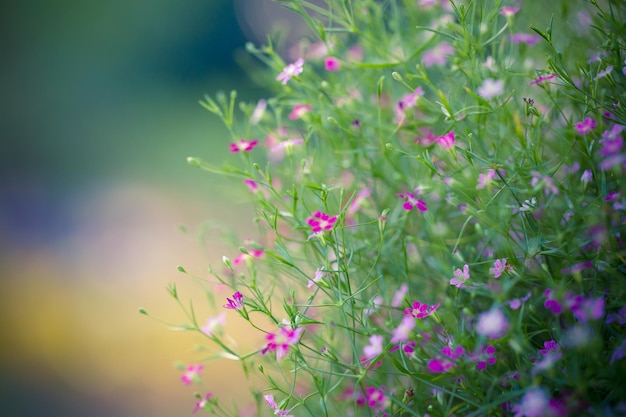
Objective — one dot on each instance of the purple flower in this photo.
(585, 126)
(438, 55)
(526, 38)
(411, 201)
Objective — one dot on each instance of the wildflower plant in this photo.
(491, 119)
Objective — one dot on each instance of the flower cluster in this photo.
(441, 209)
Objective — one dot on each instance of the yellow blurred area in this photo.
(71, 310)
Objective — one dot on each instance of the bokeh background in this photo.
(99, 112)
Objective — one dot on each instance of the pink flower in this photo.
(585, 126)
(401, 333)
(517, 302)
(299, 110)
(374, 349)
(499, 266)
(438, 55)
(258, 112)
(321, 222)
(243, 145)
(331, 64)
(419, 310)
(399, 295)
(356, 203)
(484, 180)
(286, 146)
(291, 70)
(252, 185)
(492, 324)
(612, 141)
(319, 274)
(214, 323)
(376, 399)
(543, 181)
(411, 202)
(236, 303)
(542, 78)
(269, 400)
(192, 373)
(509, 10)
(446, 141)
(491, 88)
(202, 403)
(460, 277)
(247, 257)
(526, 38)
(281, 342)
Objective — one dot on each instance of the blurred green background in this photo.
(100, 111)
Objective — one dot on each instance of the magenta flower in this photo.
(446, 141)
(401, 333)
(499, 266)
(542, 78)
(376, 399)
(419, 310)
(460, 277)
(321, 222)
(290, 71)
(281, 341)
(236, 303)
(248, 257)
(585, 126)
(552, 304)
(331, 64)
(526, 38)
(411, 201)
(269, 400)
(406, 102)
(491, 88)
(243, 146)
(549, 346)
(202, 403)
(438, 366)
(509, 10)
(585, 309)
(453, 354)
(492, 324)
(486, 356)
(192, 374)
(252, 185)
(438, 55)
(214, 323)
(299, 110)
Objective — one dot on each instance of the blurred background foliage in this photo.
(100, 111)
